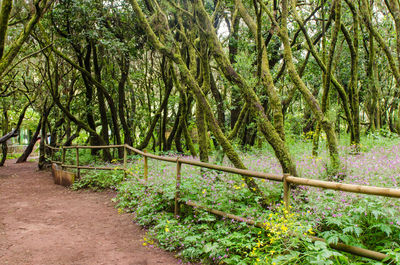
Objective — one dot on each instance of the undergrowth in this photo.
(370, 222)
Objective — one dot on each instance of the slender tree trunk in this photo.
(69, 140)
(200, 97)
(31, 144)
(269, 131)
(265, 73)
(326, 125)
(233, 51)
(174, 130)
(43, 136)
(124, 68)
(155, 119)
(110, 101)
(89, 96)
(354, 90)
(100, 98)
(202, 133)
(6, 7)
(4, 146)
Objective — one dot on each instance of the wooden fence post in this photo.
(62, 157)
(78, 170)
(286, 192)
(125, 159)
(146, 169)
(178, 188)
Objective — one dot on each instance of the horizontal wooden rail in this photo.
(136, 150)
(52, 147)
(95, 168)
(93, 147)
(243, 172)
(224, 214)
(369, 190)
(85, 146)
(338, 246)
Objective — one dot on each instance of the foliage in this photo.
(99, 180)
(364, 221)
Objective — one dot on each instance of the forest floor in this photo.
(43, 223)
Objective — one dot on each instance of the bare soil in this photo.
(42, 223)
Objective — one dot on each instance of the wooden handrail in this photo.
(369, 190)
(89, 167)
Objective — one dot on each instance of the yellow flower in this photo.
(144, 244)
(166, 229)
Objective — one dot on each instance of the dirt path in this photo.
(42, 223)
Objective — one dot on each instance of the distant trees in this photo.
(202, 76)
(17, 21)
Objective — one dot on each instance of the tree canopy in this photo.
(201, 76)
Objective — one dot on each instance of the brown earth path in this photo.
(42, 223)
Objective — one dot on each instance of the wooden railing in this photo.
(286, 179)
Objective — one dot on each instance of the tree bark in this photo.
(326, 125)
(268, 130)
(6, 7)
(39, 7)
(15, 132)
(200, 97)
(266, 77)
(155, 119)
(31, 144)
(4, 147)
(100, 97)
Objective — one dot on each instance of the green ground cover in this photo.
(370, 222)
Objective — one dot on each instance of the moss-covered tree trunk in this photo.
(266, 77)
(191, 82)
(28, 150)
(312, 102)
(155, 119)
(124, 68)
(100, 97)
(268, 130)
(4, 147)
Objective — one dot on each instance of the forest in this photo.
(306, 88)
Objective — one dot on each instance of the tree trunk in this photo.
(326, 125)
(233, 50)
(89, 96)
(110, 101)
(268, 130)
(124, 68)
(31, 145)
(100, 98)
(202, 134)
(155, 119)
(266, 76)
(4, 147)
(174, 130)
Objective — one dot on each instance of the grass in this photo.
(366, 221)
